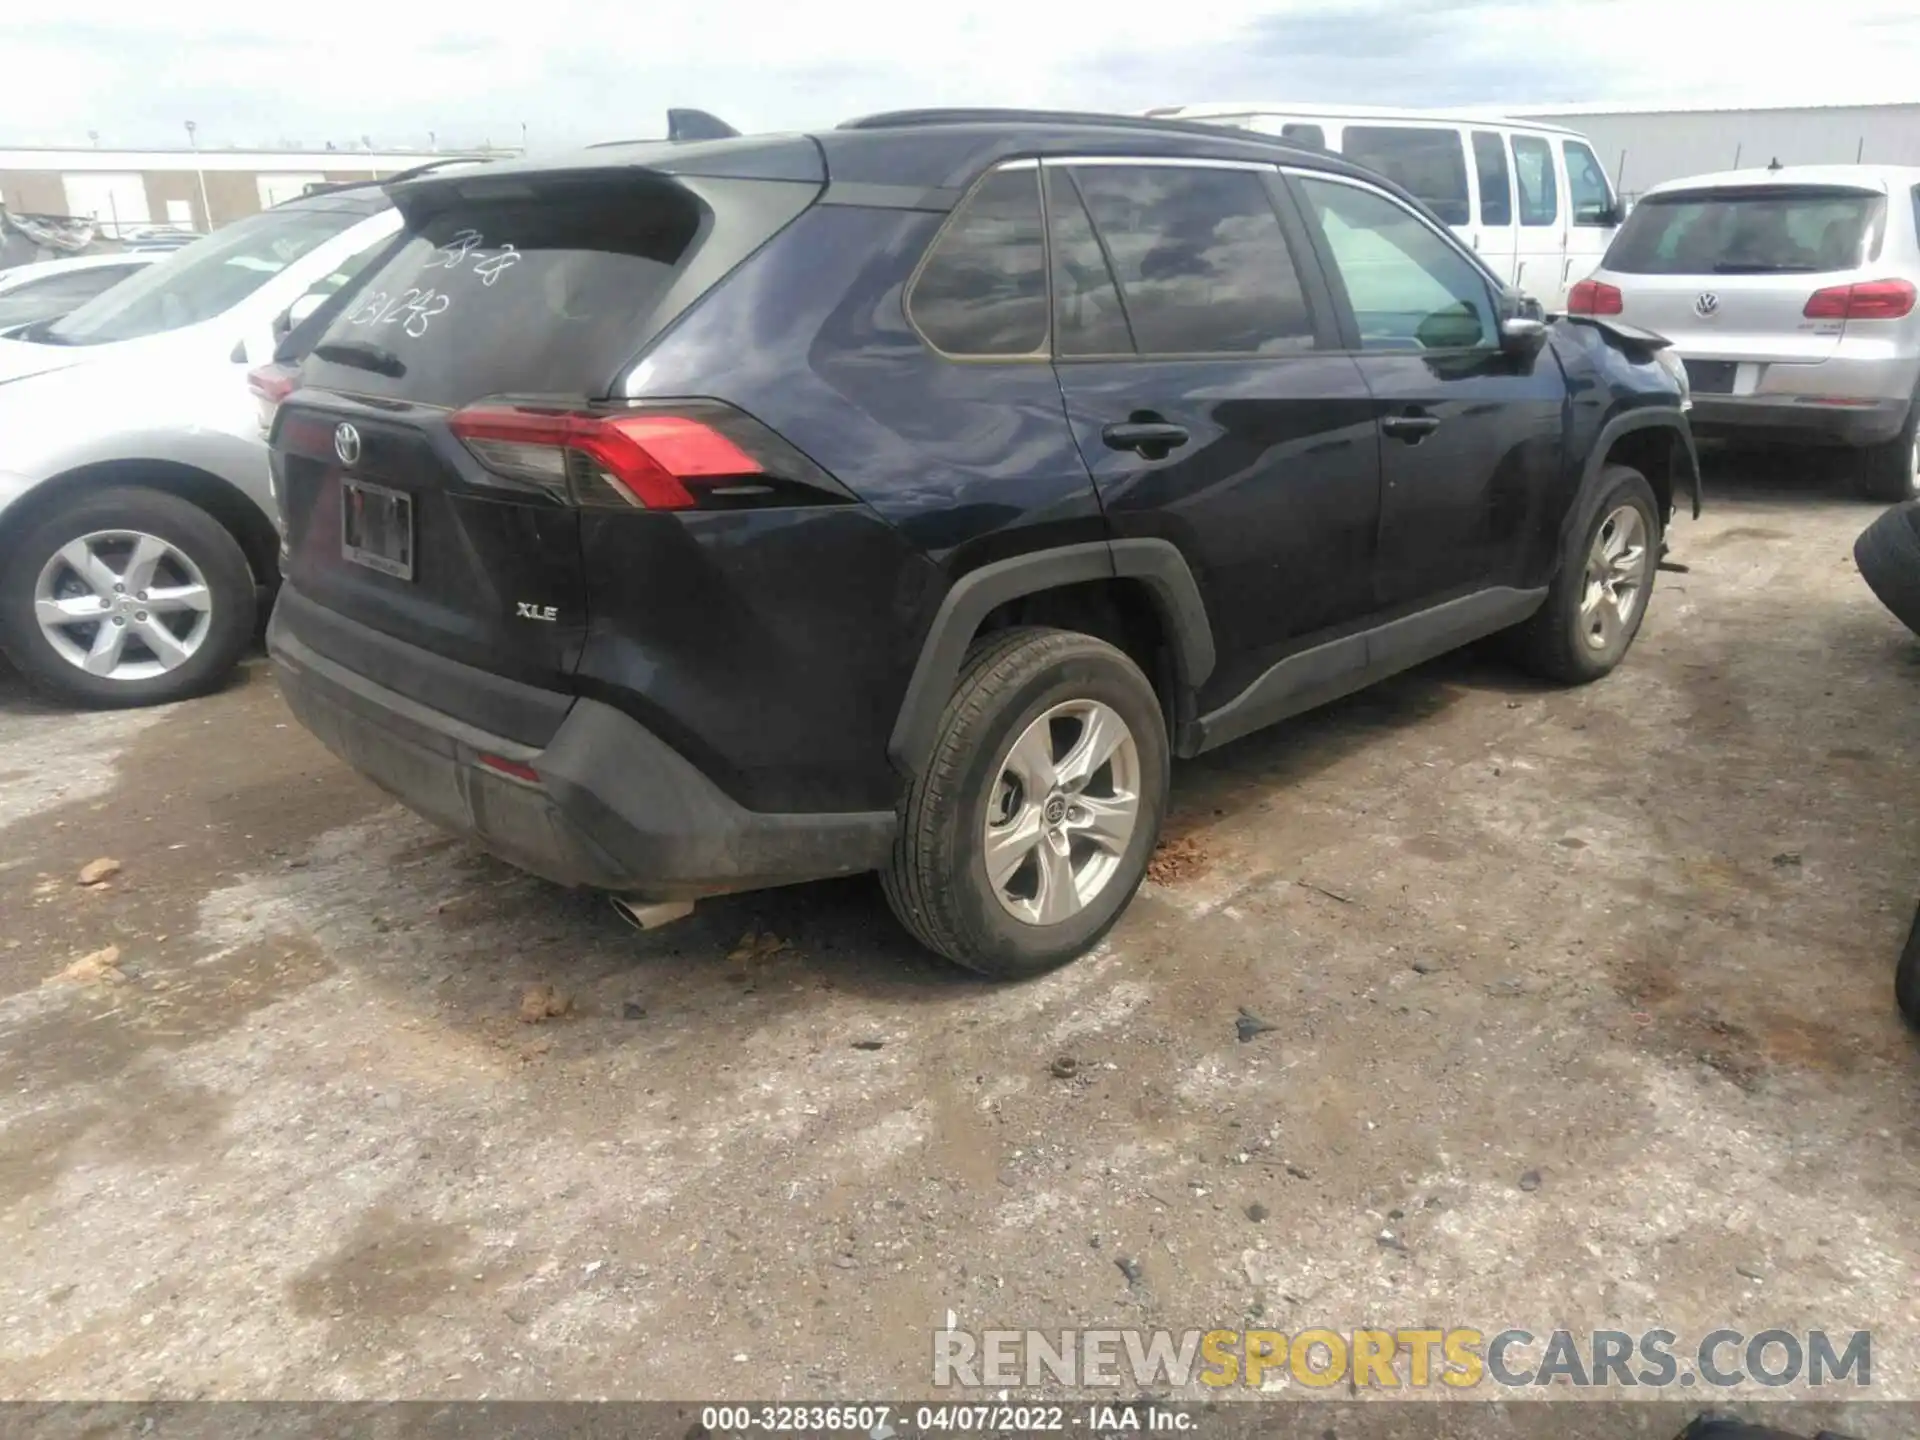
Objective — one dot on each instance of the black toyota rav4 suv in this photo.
(683, 518)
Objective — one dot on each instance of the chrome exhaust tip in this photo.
(651, 915)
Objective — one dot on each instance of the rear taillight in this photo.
(676, 455)
(1870, 300)
(1595, 297)
(270, 385)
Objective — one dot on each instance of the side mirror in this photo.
(1522, 335)
(300, 310)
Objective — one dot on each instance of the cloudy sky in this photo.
(569, 70)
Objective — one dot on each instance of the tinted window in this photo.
(1429, 163)
(1769, 229)
(1587, 188)
(984, 288)
(1304, 134)
(1496, 185)
(1088, 317)
(1409, 288)
(1202, 263)
(539, 294)
(1539, 188)
(205, 279)
(57, 294)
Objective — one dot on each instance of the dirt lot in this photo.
(1580, 1004)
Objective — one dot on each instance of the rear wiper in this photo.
(362, 356)
(1731, 267)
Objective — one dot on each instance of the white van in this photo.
(1533, 199)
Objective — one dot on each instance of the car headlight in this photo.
(1669, 360)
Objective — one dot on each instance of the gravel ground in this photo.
(1580, 1014)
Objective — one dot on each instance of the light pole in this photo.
(200, 177)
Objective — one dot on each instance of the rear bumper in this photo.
(614, 807)
(1792, 421)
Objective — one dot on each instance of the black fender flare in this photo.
(1647, 418)
(1158, 564)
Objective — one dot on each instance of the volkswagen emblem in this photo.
(346, 444)
(1706, 305)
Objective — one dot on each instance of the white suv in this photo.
(1790, 294)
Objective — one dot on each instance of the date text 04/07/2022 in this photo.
(882, 1422)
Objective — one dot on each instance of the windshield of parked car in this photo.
(1758, 231)
(202, 280)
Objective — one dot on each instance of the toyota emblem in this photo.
(346, 444)
(1706, 305)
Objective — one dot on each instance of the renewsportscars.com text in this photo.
(1415, 1359)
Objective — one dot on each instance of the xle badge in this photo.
(535, 612)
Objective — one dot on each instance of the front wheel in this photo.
(1599, 597)
(125, 597)
(1032, 823)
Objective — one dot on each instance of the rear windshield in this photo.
(1774, 230)
(544, 293)
(204, 279)
(1432, 164)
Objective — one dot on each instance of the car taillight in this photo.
(674, 455)
(270, 385)
(1870, 300)
(1595, 297)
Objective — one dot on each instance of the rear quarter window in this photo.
(1431, 164)
(542, 295)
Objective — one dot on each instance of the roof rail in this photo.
(902, 119)
(412, 172)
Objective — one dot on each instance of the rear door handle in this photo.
(1151, 439)
(1412, 427)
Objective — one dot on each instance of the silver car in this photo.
(137, 532)
(1790, 294)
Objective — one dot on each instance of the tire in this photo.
(198, 564)
(1890, 473)
(1888, 554)
(938, 881)
(1559, 641)
(1906, 975)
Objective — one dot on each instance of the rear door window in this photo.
(1496, 188)
(1774, 229)
(1539, 186)
(1202, 263)
(983, 288)
(544, 294)
(1428, 163)
(1587, 189)
(1304, 134)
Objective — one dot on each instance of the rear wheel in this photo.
(126, 597)
(1599, 597)
(1906, 976)
(1891, 472)
(1031, 826)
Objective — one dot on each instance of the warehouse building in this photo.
(1642, 147)
(129, 190)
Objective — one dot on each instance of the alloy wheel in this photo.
(123, 605)
(1616, 578)
(1061, 811)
